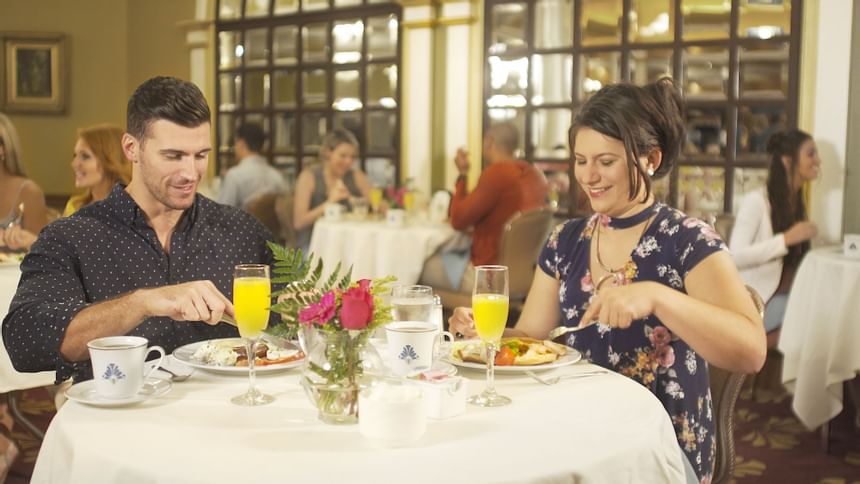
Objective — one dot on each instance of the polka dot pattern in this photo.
(107, 249)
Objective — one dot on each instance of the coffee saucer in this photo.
(85, 392)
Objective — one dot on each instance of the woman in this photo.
(771, 233)
(333, 181)
(22, 204)
(98, 164)
(657, 295)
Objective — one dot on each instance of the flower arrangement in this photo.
(396, 197)
(333, 319)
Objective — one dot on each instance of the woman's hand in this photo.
(461, 160)
(16, 238)
(462, 324)
(619, 306)
(800, 232)
(338, 192)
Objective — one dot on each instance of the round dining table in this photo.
(819, 334)
(11, 380)
(594, 429)
(376, 249)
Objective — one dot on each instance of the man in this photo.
(505, 187)
(253, 175)
(154, 259)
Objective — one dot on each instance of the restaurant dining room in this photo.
(483, 241)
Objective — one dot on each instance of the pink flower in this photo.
(319, 313)
(665, 356)
(586, 284)
(356, 310)
(660, 337)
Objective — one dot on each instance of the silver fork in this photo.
(555, 379)
(561, 330)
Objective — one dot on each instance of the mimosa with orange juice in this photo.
(252, 296)
(375, 198)
(251, 299)
(491, 314)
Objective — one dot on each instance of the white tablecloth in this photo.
(375, 249)
(9, 378)
(820, 337)
(604, 429)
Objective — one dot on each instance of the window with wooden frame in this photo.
(301, 68)
(736, 61)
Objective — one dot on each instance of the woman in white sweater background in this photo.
(771, 233)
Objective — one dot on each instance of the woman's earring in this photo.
(650, 171)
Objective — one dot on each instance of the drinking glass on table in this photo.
(375, 198)
(490, 311)
(252, 291)
(412, 303)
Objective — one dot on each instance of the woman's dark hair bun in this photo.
(667, 116)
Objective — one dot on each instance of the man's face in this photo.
(171, 161)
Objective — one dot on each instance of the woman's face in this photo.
(341, 158)
(87, 168)
(808, 162)
(600, 168)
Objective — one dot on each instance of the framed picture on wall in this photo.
(34, 73)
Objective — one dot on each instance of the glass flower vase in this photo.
(337, 366)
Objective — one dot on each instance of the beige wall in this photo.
(106, 59)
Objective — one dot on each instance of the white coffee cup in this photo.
(333, 212)
(392, 414)
(412, 346)
(118, 365)
(395, 217)
(851, 245)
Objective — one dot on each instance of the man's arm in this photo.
(469, 208)
(190, 301)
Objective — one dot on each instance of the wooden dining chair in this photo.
(523, 236)
(725, 388)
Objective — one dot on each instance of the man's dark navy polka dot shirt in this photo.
(108, 249)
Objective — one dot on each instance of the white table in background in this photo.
(9, 378)
(12, 381)
(604, 429)
(820, 336)
(375, 249)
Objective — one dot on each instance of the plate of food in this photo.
(227, 355)
(515, 355)
(10, 259)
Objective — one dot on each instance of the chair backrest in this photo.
(284, 211)
(262, 207)
(522, 239)
(723, 224)
(725, 388)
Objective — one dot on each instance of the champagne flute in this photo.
(375, 198)
(252, 291)
(490, 310)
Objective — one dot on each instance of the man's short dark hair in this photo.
(253, 135)
(167, 98)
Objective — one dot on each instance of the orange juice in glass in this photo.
(375, 198)
(408, 201)
(251, 301)
(490, 311)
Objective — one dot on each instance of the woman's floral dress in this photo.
(647, 351)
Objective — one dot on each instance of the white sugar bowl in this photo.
(392, 414)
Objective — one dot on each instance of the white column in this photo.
(457, 19)
(416, 83)
(824, 107)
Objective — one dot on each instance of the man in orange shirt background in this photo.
(506, 186)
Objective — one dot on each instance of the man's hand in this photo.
(461, 160)
(190, 301)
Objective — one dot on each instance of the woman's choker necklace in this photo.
(627, 222)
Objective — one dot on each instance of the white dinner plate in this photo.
(85, 392)
(569, 358)
(10, 260)
(185, 354)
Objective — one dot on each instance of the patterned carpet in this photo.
(772, 445)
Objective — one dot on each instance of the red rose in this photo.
(356, 309)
